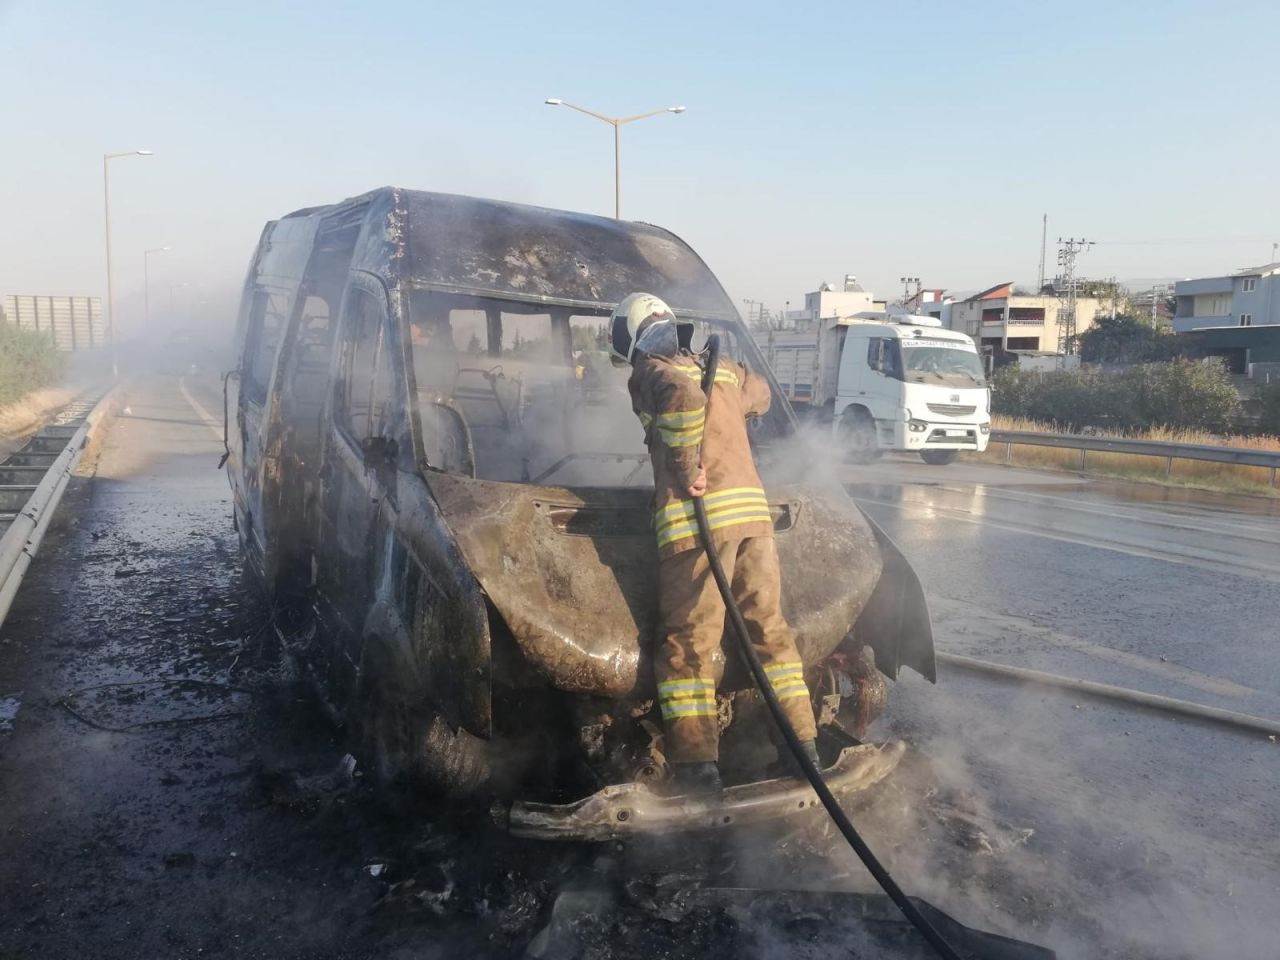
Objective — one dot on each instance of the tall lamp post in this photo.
(106, 209)
(616, 123)
(146, 284)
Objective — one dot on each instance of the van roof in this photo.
(492, 248)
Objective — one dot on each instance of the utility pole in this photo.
(1044, 235)
(1068, 251)
(106, 220)
(906, 289)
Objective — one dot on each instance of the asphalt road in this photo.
(165, 790)
(1152, 834)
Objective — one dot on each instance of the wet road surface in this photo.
(166, 790)
(1150, 830)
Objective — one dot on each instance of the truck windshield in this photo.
(525, 393)
(953, 365)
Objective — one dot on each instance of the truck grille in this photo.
(952, 409)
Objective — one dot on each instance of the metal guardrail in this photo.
(1170, 452)
(59, 447)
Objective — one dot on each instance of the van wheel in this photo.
(858, 436)
(938, 458)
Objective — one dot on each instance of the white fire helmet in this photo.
(635, 314)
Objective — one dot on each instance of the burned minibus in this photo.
(438, 479)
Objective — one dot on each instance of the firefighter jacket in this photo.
(666, 394)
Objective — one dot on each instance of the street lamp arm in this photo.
(589, 113)
(645, 116)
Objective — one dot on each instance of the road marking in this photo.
(201, 412)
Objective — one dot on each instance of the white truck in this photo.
(887, 383)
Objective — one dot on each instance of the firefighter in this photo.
(699, 454)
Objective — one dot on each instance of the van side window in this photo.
(266, 322)
(365, 397)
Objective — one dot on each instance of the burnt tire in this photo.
(404, 745)
(938, 458)
(858, 436)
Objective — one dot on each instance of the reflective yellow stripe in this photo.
(687, 697)
(784, 666)
(683, 532)
(720, 517)
(681, 436)
(670, 711)
(645, 419)
(789, 684)
(723, 374)
(792, 694)
(693, 683)
(682, 418)
(685, 507)
(667, 517)
(725, 508)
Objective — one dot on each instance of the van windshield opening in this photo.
(940, 361)
(524, 393)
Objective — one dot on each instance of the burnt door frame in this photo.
(357, 477)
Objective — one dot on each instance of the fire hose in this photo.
(807, 766)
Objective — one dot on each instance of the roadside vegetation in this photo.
(1177, 394)
(28, 362)
(1188, 473)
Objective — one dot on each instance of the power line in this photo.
(1172, 241)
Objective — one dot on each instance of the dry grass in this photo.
(1187, 473)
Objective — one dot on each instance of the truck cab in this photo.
(906, 383)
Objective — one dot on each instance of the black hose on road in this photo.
(1105, 691)
(811, 771)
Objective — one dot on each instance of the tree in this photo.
(1268, 400)
(1125, 339)
(473, 345)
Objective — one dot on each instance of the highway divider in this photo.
(22, 539)
(1240, 456)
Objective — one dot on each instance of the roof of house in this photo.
(998, 292)
(1263, 271)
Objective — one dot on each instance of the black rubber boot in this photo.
(696, 778)
(786, 765)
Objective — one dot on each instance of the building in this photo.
(1248, 298)
(827, 302)
(997, 315)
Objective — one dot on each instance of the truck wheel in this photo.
(938, 458)
(858, 436)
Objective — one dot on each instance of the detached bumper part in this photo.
(630, 809)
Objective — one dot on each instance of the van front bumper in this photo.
(630, 809)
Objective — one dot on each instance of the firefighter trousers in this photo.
(692, 624)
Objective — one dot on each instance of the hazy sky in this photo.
(880, 139)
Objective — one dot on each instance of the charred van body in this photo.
(438, 479)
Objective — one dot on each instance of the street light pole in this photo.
(106, 210)
(146, 285)
(616, 123)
